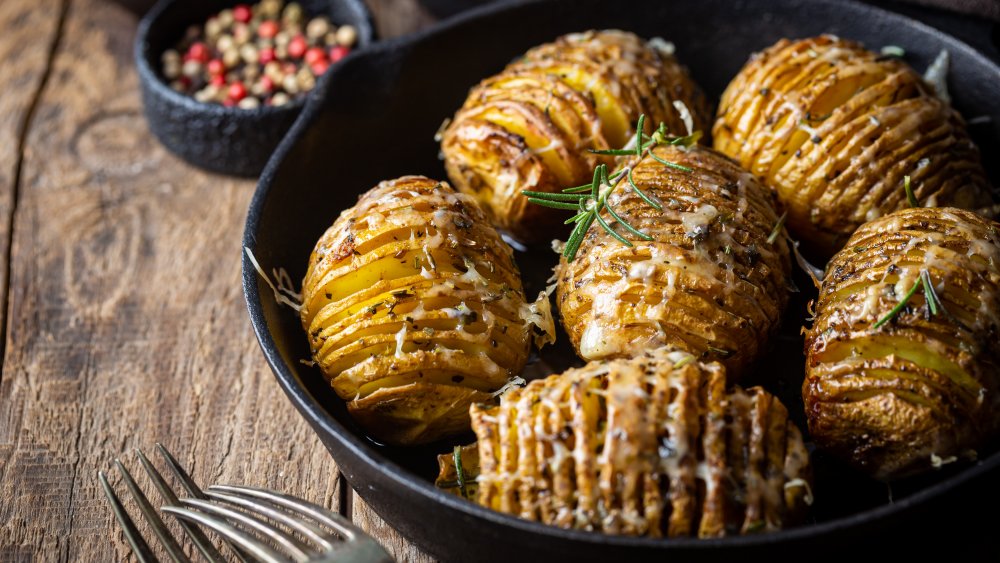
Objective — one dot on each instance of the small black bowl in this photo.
(221, 139)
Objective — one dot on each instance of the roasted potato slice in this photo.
(897, 381)
(834, 128)
(531, 126)
(414, 309)
(653, 445)
(710, 281)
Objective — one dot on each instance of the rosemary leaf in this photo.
(930, 295)
(639, 135)
(670, 164)
(612, 152)
(553, 196)
(642, 194)
(576, 237)
(554, 204)
(625, 224)
(578, 189)
(457, 454)
(683, 361)
(611, 231)
(899, 306)
(910, 198)
(777, 228)
(595, 185)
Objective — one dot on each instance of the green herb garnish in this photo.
(683, 362)
(457, 454)
(930, 296)
(777, 228)
(589, 200)
(910, 198)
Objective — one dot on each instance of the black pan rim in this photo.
(324, 423)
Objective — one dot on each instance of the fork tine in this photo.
(305, 528)
(139, 546)
(342, 525)
(275, 534)
(252, 545)
(197, 536)
(180, 473)
(159, 528)
(191, 487)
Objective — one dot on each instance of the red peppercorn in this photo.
(297, 47)
(198, 52)
(265, 55)
(218, 80)
(338, 52)
(267, 29)
(319, 68)
(289, 68)
(216, 67)
(267, 84)
(315, 55)
(237, 91)
(241, 13)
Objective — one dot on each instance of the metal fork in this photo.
(257, 524)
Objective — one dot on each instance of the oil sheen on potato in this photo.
(834, 128)
(653, 445)
(531, 126)
(709, 282)
(414, 309)
(921, 388)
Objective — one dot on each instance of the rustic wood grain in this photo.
(29, 31)
(127, 325)
(127, 321)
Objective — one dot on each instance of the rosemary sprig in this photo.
(930, 296)
(910, 198)
(589, 200)
(777, 228)
(457, 454)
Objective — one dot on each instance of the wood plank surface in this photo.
(29, 31)
(126, 320)
(127, 323)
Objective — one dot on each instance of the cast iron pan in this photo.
(374, 118)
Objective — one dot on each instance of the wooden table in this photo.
(123, 316)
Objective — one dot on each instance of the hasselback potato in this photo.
(710, 281)
(414, 309)
(903, 364)
(530, 127)
(653, 445)
(834, 128)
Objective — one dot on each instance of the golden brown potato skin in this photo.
(530, 127)
(709, 282)
(887, 399)
(414, 309)
(653, 445)
(834, 128)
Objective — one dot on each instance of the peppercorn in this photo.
(297, 47)
(317, 28)
(253, 55)
(347, 35)
(237, 91)
(267, 29)
(241, 13)
(338, 52)
(215, 67)
(314, 55)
